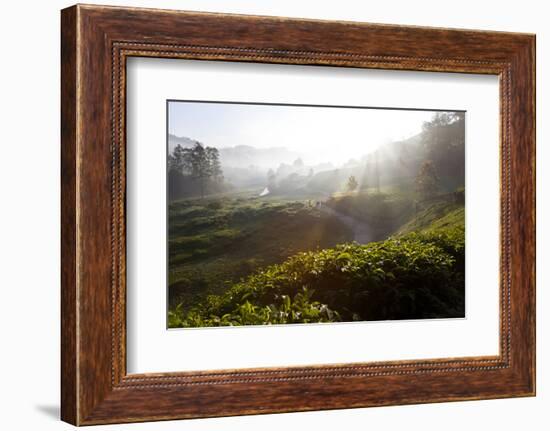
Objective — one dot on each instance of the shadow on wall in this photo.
(52, 411)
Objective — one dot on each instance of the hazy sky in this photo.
(318, 133)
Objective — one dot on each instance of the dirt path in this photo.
(362, 232)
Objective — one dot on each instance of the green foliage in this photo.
(213, 243)
(199, 164)
(419, 275)
(443, 141)
(442, 214)
(284, 309)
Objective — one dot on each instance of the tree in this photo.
(443, 142)
(213, 156)
(352, 183)
(442, 119)
(199, 162)
(427, 181)
(175, 160)
(298, 163)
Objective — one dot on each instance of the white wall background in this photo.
(29, 214)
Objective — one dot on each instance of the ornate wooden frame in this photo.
(95, 42)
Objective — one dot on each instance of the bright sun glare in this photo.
(317, 134)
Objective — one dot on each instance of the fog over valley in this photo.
(303, 214)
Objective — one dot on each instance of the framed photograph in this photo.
(264, 214)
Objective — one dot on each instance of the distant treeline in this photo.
(194, 171)
(429, 163)
(432, 161)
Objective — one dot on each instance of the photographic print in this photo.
(296, 214)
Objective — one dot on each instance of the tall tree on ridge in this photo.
(200, 163)
(427, 180)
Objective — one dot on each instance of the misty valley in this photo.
(309, 229)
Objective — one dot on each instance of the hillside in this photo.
(262, 234)
(214, 243)
(417, 273)
(440, 215)
(413, 276)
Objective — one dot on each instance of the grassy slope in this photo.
(213, 243)
(384, 212)
(439, 217)
(395, 213)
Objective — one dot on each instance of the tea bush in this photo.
(414, 276)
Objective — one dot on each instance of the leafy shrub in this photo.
(419, 275)
(215, 205)
(300, 309)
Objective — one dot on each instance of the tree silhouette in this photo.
(443, 142)
(298, 163)
(198, 162)
(427, 181)
(213, 156)
(175, 160)
(352, 183)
